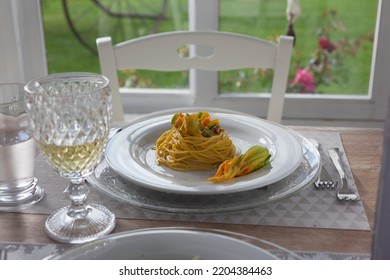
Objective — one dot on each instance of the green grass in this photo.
(263, 18)
(64, 53)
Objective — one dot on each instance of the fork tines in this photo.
(325, 184)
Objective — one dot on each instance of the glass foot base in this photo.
(62, 228)
(20, 197)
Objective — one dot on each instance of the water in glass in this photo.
(18, 186)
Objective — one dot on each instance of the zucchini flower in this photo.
(255, 158)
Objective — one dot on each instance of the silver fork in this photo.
(325, 180)
(345, 192)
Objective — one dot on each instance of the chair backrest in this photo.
(228, 51)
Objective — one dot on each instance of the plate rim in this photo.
(245, 241)
(201, 190)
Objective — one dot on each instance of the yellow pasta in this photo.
(195, 142)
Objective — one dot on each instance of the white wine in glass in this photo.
(70, 116)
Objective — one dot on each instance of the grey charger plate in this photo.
(109, 182)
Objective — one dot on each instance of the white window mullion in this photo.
(203, 15)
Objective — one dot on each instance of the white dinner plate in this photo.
(174, 244)
(130, 154)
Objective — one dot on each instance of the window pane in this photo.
(333, 50)
(72, 26)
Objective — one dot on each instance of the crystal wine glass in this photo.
(70, 116)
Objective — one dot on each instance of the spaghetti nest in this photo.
(195, 142)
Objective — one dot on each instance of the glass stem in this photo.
(77, 192)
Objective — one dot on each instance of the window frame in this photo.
(312, 108)
(300, 109)
(24, 56)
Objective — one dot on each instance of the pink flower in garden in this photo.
(326, 44)
(305, 79)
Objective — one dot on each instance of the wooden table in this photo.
(363, 147)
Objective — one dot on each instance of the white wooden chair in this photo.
(229, 51)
